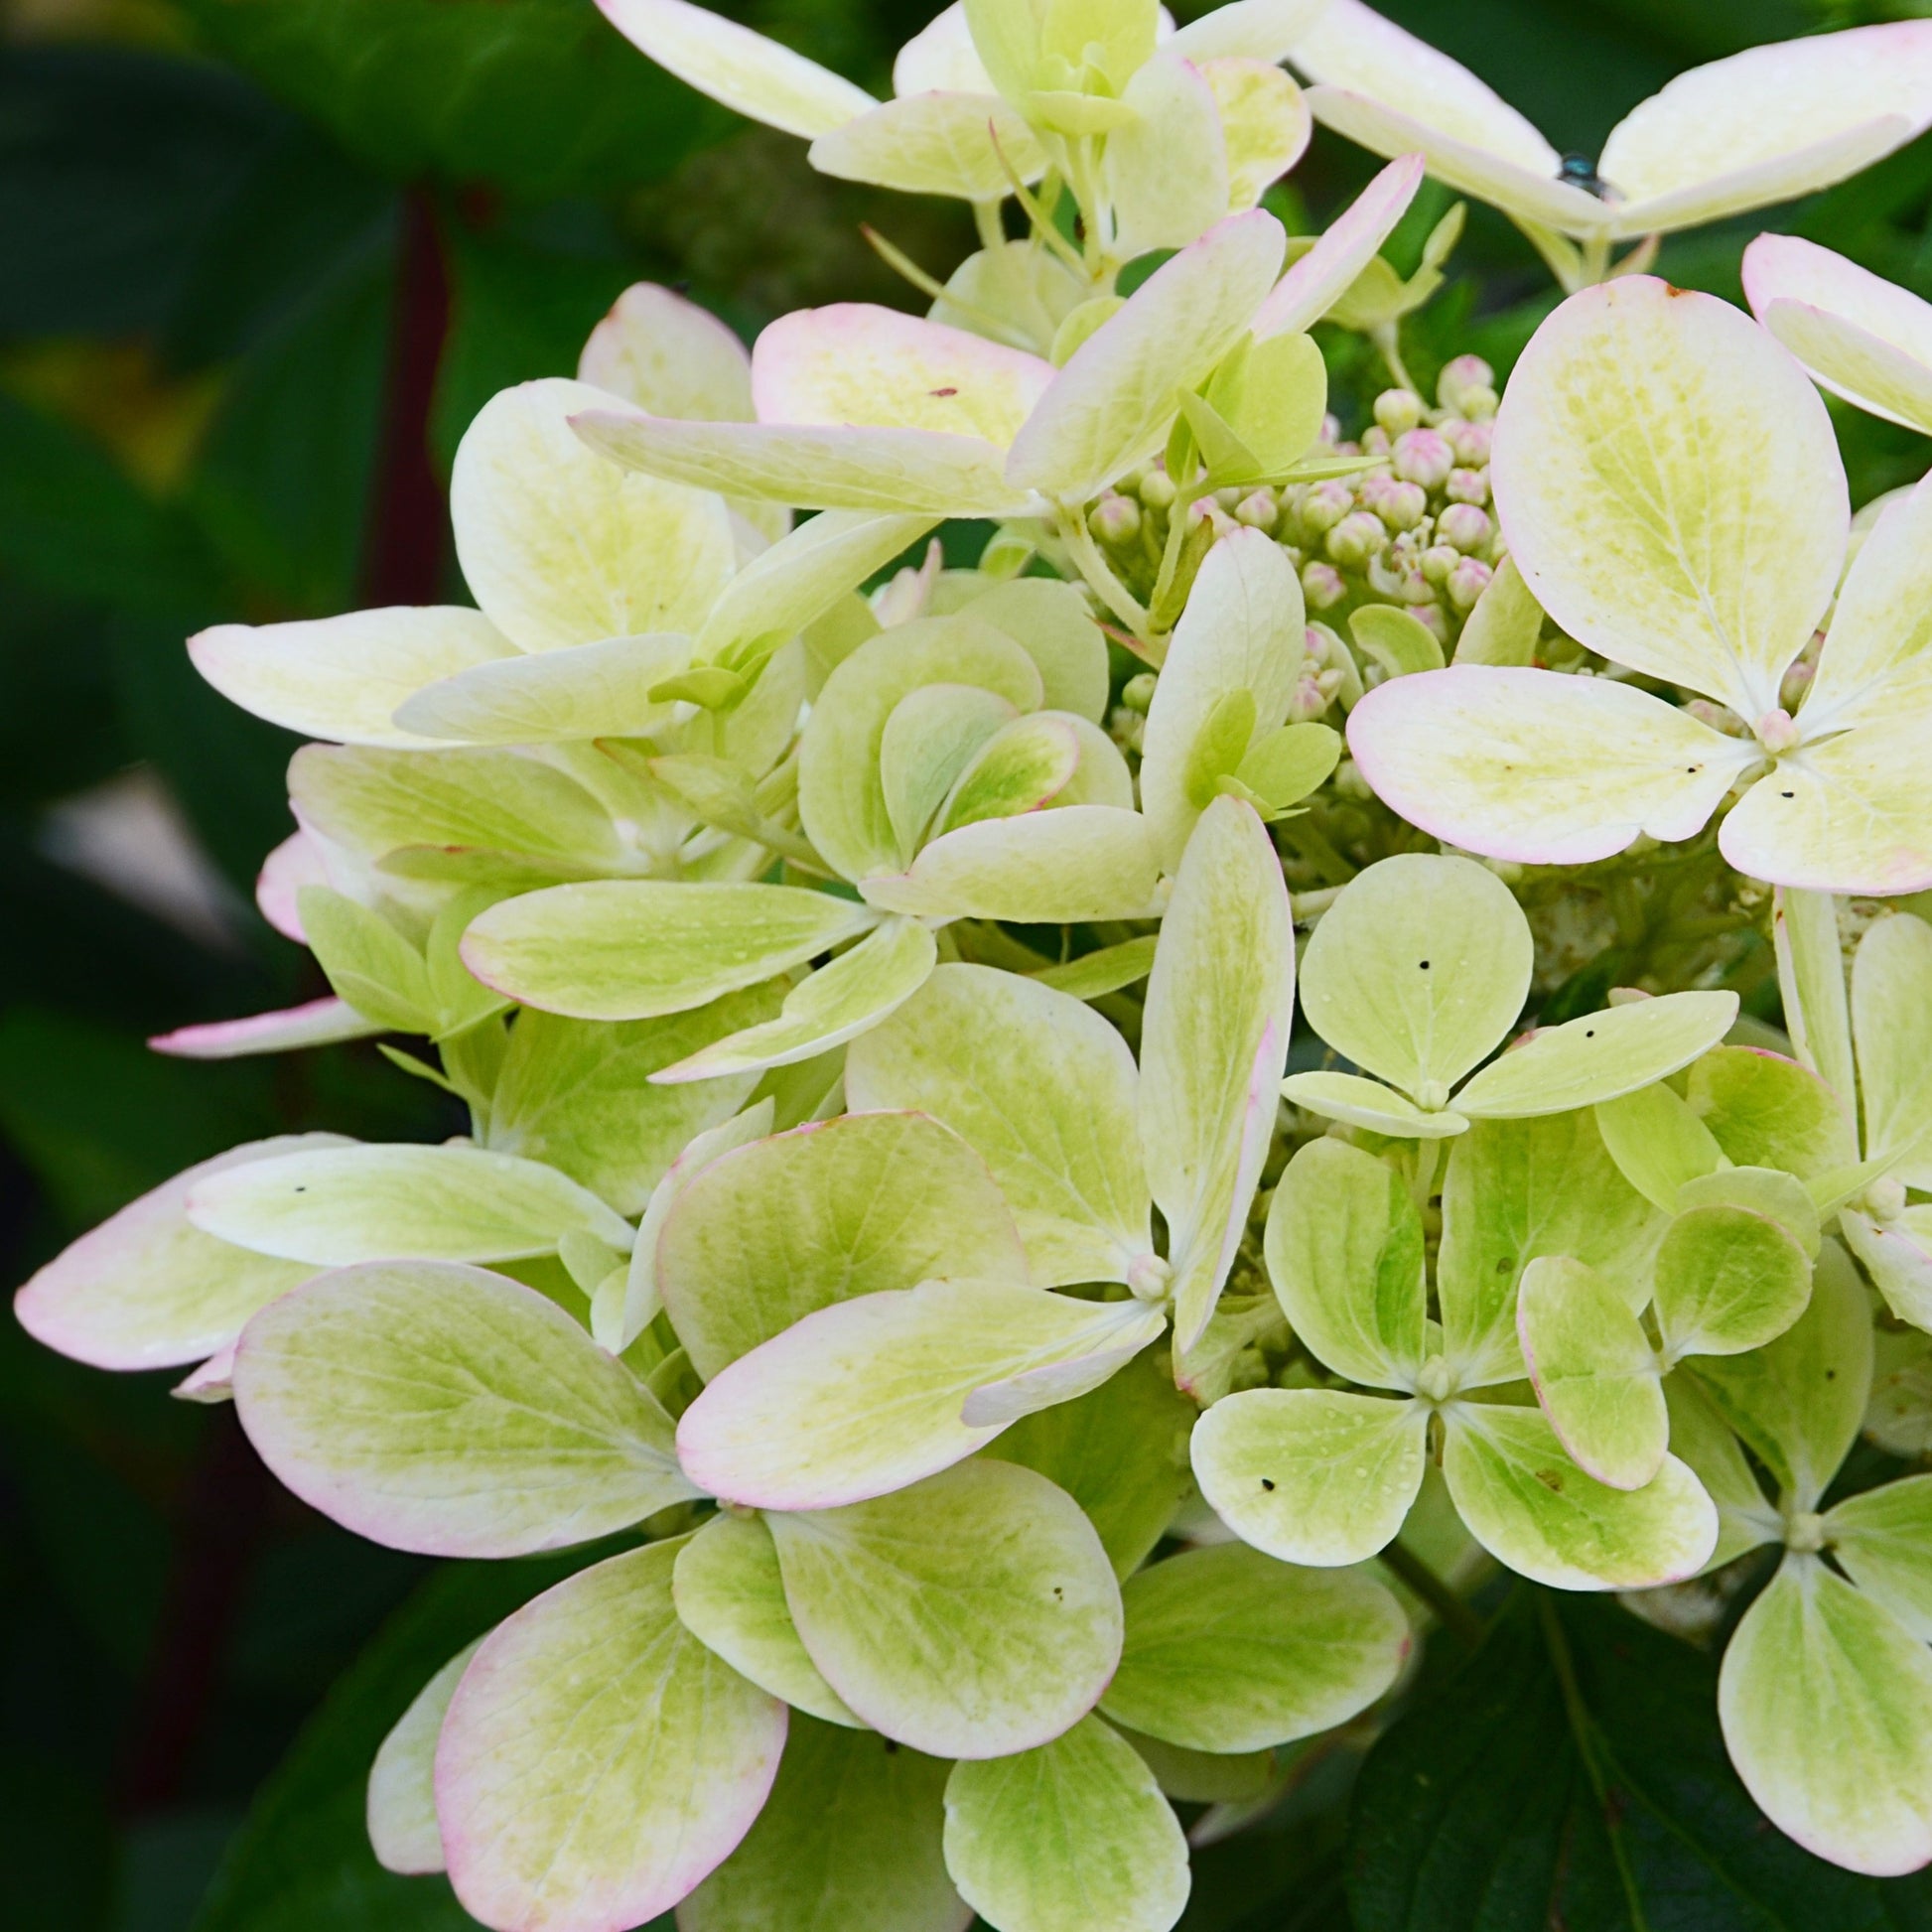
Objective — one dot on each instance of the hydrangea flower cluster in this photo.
(1023, 1360)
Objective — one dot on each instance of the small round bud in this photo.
(1258, 511)
(1330, 429)
(1464, 528)
(1350, 782)
(1326, 504)
(1459, 377)
(1480, 404)
(1403, 505)
(1375, 441)
(1322, 586)
(1467, 582)
(1157, 489)
(1229, 498)
(1398, 410)
(1470, 441)
(1434, 619)
(1116, 519)
(1359, 536)
(1777, 731)
(1309, 700)
(1437, 563)
(1422, 456)
(1467, 487)
(1137, 692)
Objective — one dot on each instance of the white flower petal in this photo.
(1319, 279)
(662, 352)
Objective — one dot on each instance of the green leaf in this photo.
(1040, 1086)
(1658, 1142)
(1418, 970)
(874, 1393)
(1826, 1701)
(1311, 1475)
(849, 1840)
(1532, 1509)
(1344, 1251)
(973, 1615)
(828, 1211)
(403, 1832)
(1799, 1401)
(624, 949)
(578, 1094)
(730, 1596)
(1596, 1376)
(598, 1760)
(1518, 1190)
(1213, 1043)
(333, 1205)
(1728, 1281)
(1396, 639)
(1067, 1837)
(1120, 1451)
(1599, 1056)
(1228, 1650)
(437, 1408)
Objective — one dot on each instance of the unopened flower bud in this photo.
(1432, 619)
(1157, 489)
(1326, 504)
(1422, 456)
(1375, 441)
(1258, 511)
(1229, 496)
(1356, 538)
(1149, 1277)
(1464, 528)
(1116, 519)
(1480, 404)
(1459, 377)
(1398, 410)
(1438, 561)
(1309, 700)
(1470, 441)
(1350, 782)
(1467, 582)
(1719, 717)
(1777, 731)
(1797, 681)
(1330, 429)
(1467, 487)
(1403, 505)
(1322, 586)
(1137, 692)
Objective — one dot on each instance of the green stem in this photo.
(1455, 1615)
(1095, 569)
(1584, 1730)
(1387, 337)
(1428, 1154)
(991, 229)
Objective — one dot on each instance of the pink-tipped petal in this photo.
(297, 862)
(1317, 281)
(317, 1023)
(662, 352)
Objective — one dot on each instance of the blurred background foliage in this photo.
(261, 261)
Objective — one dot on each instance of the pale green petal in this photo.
(755, 77)
(930, 739)
(730, 1596)
(1061, 866)
(933, 143)
(1849, 815)
(941, 54)
(435, 1408)
(1596, 1375)
(1111, 406)
(333, 1205)
(1240, 634)
(1070, 1836)
(558, 546)
(1800, 1401)
(1228, 1650)
(578, 1094)
(848, 1842)
(1519, 1189)
(1766, 1193)
(1702, 1439)
(1898, 1258)
(835, 1003)
(315, 1023)
(665, 354)
(1826, 1702)
(1658, 1141)
(1053, 622)
(1506, 626)
(1418, 970)
(1166, 170)
(1765, 1110)
(1311, 1475)
(1728, 1280)
(890, 471)
(1368, 1103)
(874, 1393)
(1018, 293)
(1045, 1089)
(1878, 657)
(147, 1289)
(1264, 119)
(1344, 1250)
(1213, 1043)
(1538, 768)
(1245, 30)
(578, 691)
(852, 1206)
(1882, 1540)
(1672, 487)
(1024, 766)
(971, 1617)
(1531, 1507)
(598, 1760)
(1811, 983)
(633, 949)
(1204, 1778)
(401, 1805)
(842, 799)
(1891, 1017)
(342, 677)
(1598, 1056)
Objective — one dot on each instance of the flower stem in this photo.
(1096, 570)
(1455, 1615)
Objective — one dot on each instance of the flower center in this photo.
(1805, 1532)
(1777, 731)
(1434, 1380)
(1148, 1279)
(1884, 1200)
